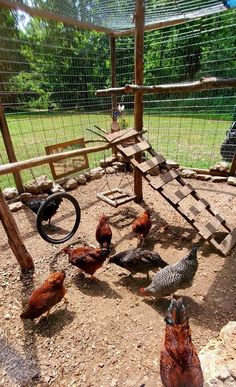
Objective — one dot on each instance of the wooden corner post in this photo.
(138, 98)
(9, 147)
(14, 238)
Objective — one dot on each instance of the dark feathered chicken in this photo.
(87, 259)
(139, 261)
(173, 277)
(179, 362)
(103, 232)
(50, 210)
(46, 296)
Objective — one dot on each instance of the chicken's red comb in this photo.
(142, 290)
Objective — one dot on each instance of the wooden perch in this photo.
(20, 165)
(184, 87)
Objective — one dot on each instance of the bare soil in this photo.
(109, 335)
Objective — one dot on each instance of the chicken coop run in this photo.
(66, 67)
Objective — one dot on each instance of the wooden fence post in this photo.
(14, 238)
(9, 148)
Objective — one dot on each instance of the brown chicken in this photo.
(87, 259)
(179, 362)
(141, 226)
(50, 293)
(103, 232)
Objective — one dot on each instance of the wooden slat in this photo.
(149, 164)
(228, 242)
(161, 180)
(211, 227)
(122, 197)
(121, 135)
(181, 193)
(198, 207)
(134, 149)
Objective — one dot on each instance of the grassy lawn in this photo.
(193, 142)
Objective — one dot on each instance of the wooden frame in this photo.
(82, 160)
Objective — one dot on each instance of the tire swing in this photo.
(55, 201)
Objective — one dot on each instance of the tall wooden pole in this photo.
(14, 238)
(113, 69)
(9, 147)
(138, 98)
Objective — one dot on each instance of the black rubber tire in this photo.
(227, 150)
(40, 214)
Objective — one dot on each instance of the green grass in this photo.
(192, 141)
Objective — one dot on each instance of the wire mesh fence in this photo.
(49, 73)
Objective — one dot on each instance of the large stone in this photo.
(218, 358)
(218, 179)
(231, 180)
(109, 170)
(14, 207)
(25, 196)
(188, 173)
(10, 193)
(41, 184)
(222, 166)
(96, 173)
(87, 175)
(70, 184)
(118, 166)
(81, 180)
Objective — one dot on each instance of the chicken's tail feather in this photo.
(176, 313)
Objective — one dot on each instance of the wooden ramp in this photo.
(184, 199)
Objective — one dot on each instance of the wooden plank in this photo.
(163, 179)
(149, 164)
(181, 193)
(228, 243)
(200, 205)
(121, 135)
(211, 227)
(14, 238)
(134, 149)
(9, 148)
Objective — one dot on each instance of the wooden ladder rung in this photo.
(197, 208)
(149, 164)
(134, 149)
(121, 135)
(181, 193)
(226, 245)
(211, 227)
(163, 179)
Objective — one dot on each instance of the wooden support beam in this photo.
(9, 148)
(20, 165)
(113, 70)
(14, 238)
(138, 99)
(212, 83)
(232, 170)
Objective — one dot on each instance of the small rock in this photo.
(14, 207)
(25, 196)
(7, 316)
(218, 179)
(70, 184)
(188, 173)
(96, 173)
(110, 170)
(101, 365)
(172, 164)
(10, 193)
(121, 158)
(222, 166)
(56, 188)
(81, 180)
(231, 180)
(203, 177)
(87, 175)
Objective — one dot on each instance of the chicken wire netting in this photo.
(118, 15)
(49, 73)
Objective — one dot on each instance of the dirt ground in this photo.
(109, 335)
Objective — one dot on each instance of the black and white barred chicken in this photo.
(138, 261)
(173, 277)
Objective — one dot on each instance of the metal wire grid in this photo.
(119, 14)
(72, 107)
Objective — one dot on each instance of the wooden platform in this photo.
(176, 199)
